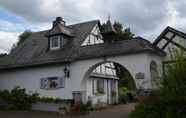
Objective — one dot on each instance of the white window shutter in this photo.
(43, 83)
(61, 82)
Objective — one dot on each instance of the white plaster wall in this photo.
(133, 63)
(158, 60)
(30, 79)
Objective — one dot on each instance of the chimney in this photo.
(59, 20)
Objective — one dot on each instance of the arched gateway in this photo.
(138, 65)
(59, 62)
(101, 82)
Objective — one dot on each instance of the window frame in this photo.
(59, 42)
(45, 83)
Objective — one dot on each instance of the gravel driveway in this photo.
(119, 111)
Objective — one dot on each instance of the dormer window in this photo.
(59, 34)
(54, 42)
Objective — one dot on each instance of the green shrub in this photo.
(171, 101)
(53, 100)
(160, 109)
(18, 99)
(174, 80)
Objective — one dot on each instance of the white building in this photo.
(79, 62)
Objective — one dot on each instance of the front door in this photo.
(77, 97)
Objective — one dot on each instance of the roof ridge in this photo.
(83, 23)
(41, 31)
(68, 26)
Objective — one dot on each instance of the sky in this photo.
(146, 18)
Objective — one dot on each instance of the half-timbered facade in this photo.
(171, 40)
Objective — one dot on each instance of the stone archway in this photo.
(88, 82)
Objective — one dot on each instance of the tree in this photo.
(174, 80)
(118, 27)
(122, 33)
(21, 38)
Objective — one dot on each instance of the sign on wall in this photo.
(140, 75)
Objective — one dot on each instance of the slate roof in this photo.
(34, 51)
(136, 45)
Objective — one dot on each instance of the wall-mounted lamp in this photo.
(67, 72)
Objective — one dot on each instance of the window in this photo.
(55, 42)
(100, 85)
(52, 83)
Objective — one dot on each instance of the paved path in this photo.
(119, 111)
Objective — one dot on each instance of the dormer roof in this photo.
(59, 27)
